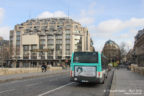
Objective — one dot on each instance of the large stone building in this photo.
(48, 40)
(112, 51)
(4, 52)
(131, 56)
(139, 48)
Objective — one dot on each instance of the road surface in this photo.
(54, 85)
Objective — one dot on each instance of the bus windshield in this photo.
(85, 57)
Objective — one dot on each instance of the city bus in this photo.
(88, 67)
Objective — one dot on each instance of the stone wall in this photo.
(135, 68)
(8, 71)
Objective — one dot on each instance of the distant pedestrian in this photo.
(44, 67)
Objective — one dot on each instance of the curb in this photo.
(29, 77)
(113, 86)
(108, 86)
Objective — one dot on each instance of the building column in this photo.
(54, 52)
(46, 47)
(83, 43)
(20, 64)
(72, 44)
(29, 51)
(14, 64)
(63, 45)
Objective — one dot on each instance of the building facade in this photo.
(131, 57)
(139, 48)
(47, 40)
(112, 51)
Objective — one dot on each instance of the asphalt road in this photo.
(54, 85)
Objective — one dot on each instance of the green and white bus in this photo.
(88, 67)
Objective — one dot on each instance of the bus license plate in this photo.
(84, 80)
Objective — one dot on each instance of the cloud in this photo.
(87, 16)
(48, 14)
(1, 14)
(86, 20)
(117, 30)
(112, 27)
(116, 25)
(4, 32)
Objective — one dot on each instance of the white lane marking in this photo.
(7, 91)
(29, 85)
(55, 89)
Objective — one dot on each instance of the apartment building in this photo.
(112, 51)
(48, 41)
(139, 48)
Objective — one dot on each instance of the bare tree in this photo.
(4, 54)
(123, 50)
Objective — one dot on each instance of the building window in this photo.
(58, 41)
(58, 36)
(50, 41)
(50, 53)
(59, 52)
(18, 33)
(17, 50)
(67, 52)
(58, 46)
(77, 31)
(67, 31)
(18, 38)
(17, 43)
(41, 46)
(50, 57)
(68, 41)
(26, 48)
(67, 36)
(33, 47)
(67, 46)
(42, 42)
(50, 37)
(67, 26)
(42, 37)
(50, 46)
(44, 27)
(58, 57)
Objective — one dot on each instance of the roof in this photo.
(111, 43)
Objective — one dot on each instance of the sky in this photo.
(118, 20)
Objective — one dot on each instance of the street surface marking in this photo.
(32, 84)
(55, 89)
(7, 91)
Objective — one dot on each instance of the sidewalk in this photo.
(127, 83)
(6, 78)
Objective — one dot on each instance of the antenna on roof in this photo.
(29, 15)
(68, 13)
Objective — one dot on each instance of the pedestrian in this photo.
(44, 67)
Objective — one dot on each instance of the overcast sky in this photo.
(118, 20)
